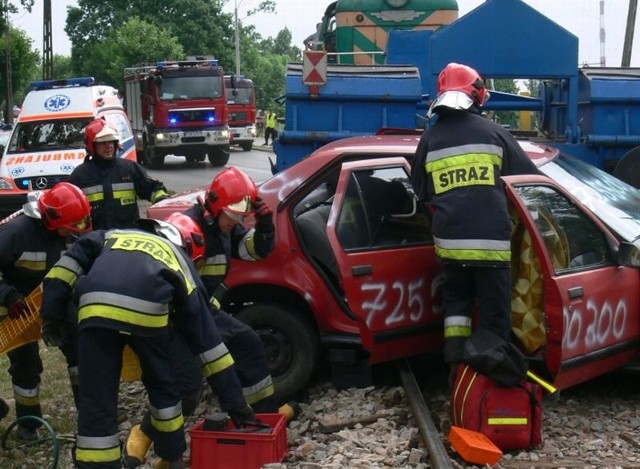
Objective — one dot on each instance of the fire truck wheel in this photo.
(291, 345)
(246, 146)
(152, 158)
(218, 155)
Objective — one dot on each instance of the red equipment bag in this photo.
(511, 417)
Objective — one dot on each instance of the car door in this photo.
(381, 236)
(591, 303)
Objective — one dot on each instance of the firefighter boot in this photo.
(163, 464)
(135, 450)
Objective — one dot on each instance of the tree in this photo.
(136, 42)
(24, 64)
(200, 26)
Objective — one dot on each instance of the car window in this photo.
(572, 239)
(380, 209)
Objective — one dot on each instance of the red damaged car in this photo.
(354, 272)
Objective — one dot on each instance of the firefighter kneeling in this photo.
(128, 282)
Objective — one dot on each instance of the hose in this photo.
(52, 433)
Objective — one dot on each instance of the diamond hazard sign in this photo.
(314, 67)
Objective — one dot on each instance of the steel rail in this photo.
(437, 451)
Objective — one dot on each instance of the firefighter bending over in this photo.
(31, 242)
(112, 184)
(231, 198)
(456, 171)
(128, 282)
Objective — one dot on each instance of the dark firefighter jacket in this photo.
(113, 187)
(131, 281)
(457, 170)
(27, 251)
(220, 248)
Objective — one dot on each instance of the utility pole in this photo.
(237, 28)
(603, 57)
(47, 43)
(629, 32)
(7, 52)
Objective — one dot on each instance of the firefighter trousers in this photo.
(25, 367)
(250, 359)
(99, 364)
(468, 286)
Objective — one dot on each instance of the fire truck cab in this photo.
(179, 108)
(241, 99)
(47, 141)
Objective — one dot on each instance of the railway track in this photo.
(432, 439)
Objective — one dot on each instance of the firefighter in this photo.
(31, 242)
(270, 129)
(456, 171)
(112, 184)
(185, 368)
(128, 283)
(232, 197)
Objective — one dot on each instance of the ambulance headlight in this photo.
(160, 137)
(5, 185)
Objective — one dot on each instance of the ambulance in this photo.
(47, 141)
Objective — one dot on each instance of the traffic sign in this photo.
(314, 67)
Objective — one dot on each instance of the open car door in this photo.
(381, 236)
(577, 307)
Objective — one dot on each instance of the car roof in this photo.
(350, 148)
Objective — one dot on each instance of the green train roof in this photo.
(378, 5)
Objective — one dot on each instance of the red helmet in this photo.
(65, 206)
(460, 86)
(99, 130)
(233, 192)
(191, 234)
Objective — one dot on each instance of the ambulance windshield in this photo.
(46, 135)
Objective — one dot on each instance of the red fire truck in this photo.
(241, 99)
(178, 108)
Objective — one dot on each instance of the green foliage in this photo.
(137, 42)
(24, 65)
(62, 67)
(199, 26)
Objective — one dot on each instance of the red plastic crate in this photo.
(234, 449)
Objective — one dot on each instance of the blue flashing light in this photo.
(25, 183)
(49, 84)
(173, 120)
(211, 118)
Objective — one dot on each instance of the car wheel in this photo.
(628, 168)
(291, 345)
(219, 155)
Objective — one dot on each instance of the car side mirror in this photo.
(629, 255)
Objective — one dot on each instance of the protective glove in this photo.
(54, 333)
(263, 214)
(16, 305)
(243, 417)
